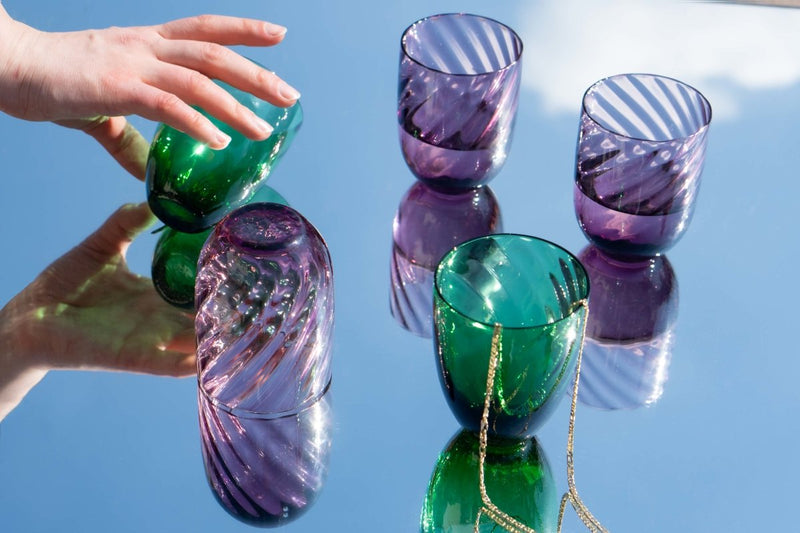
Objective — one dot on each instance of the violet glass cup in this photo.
(629, 332)
(641, 148)
(266, 472)
(264, 300)
(457, 98)
(427, 225)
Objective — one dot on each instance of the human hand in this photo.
(91, 79)
(87, 311)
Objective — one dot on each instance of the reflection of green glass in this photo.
(518, 481)
(534, 290)
(190, 187)
(174, 266)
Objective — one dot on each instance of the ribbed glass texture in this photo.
(427, 225)
(190, 187)
(640, 154)
(174, 265)
(457, 98)
(264, 297)
(533, 289)
(266, 472)
(630, 331)
(518, 481)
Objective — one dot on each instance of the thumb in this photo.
(119, 138)
(119, 230)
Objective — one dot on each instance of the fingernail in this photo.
(274, 30)
(262, 126)
(222, 141)
(287, 91)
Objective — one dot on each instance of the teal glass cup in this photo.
(191, 187)
(523, 298)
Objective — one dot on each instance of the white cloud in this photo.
(718, 48)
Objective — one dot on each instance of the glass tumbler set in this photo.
(640, 153)
(509, 311)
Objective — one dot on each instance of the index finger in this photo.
(223, 30)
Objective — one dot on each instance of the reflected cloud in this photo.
(428, 224)
(266, 472)
(518, 480)
(717, 48)
(633, 309)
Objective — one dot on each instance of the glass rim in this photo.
(602, 126)
(516, 59)
(260, 103)
(574, 306)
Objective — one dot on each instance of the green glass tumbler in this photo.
(191, 187)
(518, 479)
(535, 292)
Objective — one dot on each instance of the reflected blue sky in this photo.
(101, 451)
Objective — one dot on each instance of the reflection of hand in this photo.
(88, 311)
(90, 79)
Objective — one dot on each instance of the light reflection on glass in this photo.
(427, 225)
(266, 471)
(518, 480)
(630, 333)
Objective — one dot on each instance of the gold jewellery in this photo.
(489, 508)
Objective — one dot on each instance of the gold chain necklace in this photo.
(489, 508)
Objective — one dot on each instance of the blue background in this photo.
(121, 452)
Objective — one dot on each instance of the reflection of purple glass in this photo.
(266, 471)
(640, 154)
(457, 98)
(264, 296)
(629, 334)
(428, 224)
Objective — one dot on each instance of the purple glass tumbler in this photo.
(264, 298)
(457, 98)
(640, 154)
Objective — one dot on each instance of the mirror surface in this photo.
(681, 429)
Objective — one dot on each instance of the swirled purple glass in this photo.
(457, 98)
(640, 154)
(266, 471)
(629, 333)
(264, 299)
(427, 225)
